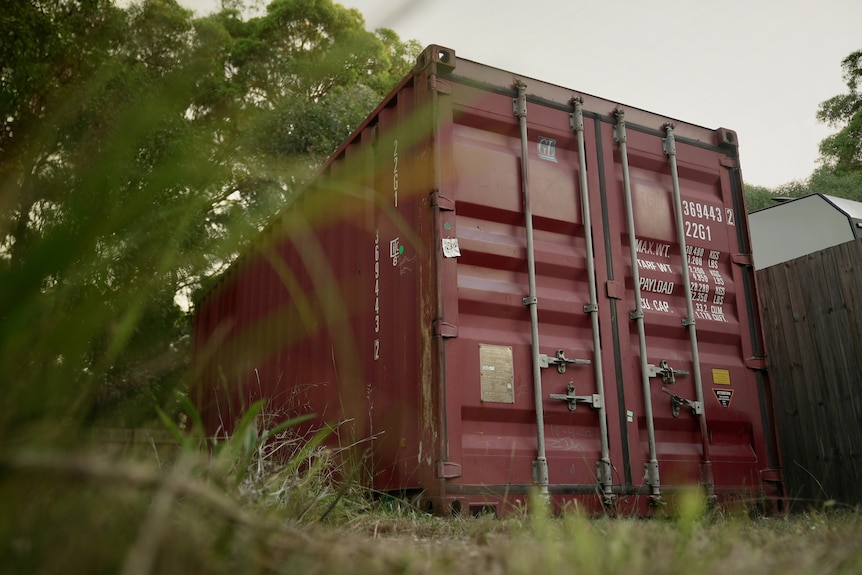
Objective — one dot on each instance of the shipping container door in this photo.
(732, 451)
(491, 416)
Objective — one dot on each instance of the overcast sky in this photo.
(760, 67)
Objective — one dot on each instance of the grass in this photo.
(89, 330)
(237, 510)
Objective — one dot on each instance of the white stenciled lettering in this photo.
(395, 250)
(730, 219)
(655, 266)
(698, 231)
(646, 264)
(656, 286)
(653, 248)
(714, 257)
(701, 311)
(709, 312)
(697, 274)
(395, 172)
(376, 293)
(702, 211)
(655, 305)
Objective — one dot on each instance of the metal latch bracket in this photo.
(667, 373)
(594, 400)
(676, 402)
(560, 360)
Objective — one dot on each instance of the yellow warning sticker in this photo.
(721, 376)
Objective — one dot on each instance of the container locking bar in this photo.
(676, 402)
(651, 469)
(603, 465)
(669, 145)
(594, 400)
(560, 360)
(667, 373)
(540, 464)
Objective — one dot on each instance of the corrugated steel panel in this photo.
(395, 300)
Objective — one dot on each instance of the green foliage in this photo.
(314, 128)
(825, 180)
(137, 154)
(758, 197)
(136, 157)
(86, 513)
(843, 150)
(841, 153)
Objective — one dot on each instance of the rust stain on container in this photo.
(393, 300)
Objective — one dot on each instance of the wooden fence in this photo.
(812, 312)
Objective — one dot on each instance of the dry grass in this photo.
(83, 513)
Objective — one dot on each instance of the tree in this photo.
(843, 150)
(135, 157)
(840, 172)
(758, 197)
(824, 180)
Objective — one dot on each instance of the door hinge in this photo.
(728, 162)
(445, 329)
(441, 202)
(742, 260)
(615, 289)
(448, 470)
(771, 475)
(540, 471)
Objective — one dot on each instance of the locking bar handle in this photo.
(668, 374)
(560, 360)
(572, 399)
(676, 403)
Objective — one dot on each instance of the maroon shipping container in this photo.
(496, 285)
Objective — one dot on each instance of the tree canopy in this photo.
(139, 146)
(840, 172)
(843, 150)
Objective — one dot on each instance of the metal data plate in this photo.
(498, 373)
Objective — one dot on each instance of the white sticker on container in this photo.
(547, 149)
(450, 248)
(395, 250)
